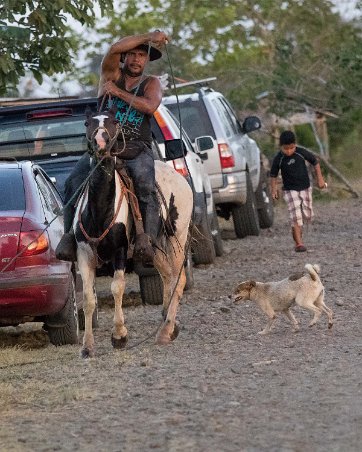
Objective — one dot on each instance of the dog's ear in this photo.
(251, 284)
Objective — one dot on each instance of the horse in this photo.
(103, 231)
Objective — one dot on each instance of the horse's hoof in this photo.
(87, 353)
(330, 324)
(163, 340)
(175, 332)
(119, 343)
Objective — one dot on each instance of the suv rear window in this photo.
(40, 138)
(194, 117)
(12, 189)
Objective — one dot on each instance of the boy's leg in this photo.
(307, 204)
(294, 204)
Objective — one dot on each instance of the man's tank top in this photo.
(135, 124)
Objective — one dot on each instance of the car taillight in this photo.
(33, 243)
(226, 156)
(167, 135)
(180, 167)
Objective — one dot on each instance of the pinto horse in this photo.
(103, 231)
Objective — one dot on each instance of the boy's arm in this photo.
(320, 180)
(274, 187)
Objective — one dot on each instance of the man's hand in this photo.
(110, 88)
(159, 38)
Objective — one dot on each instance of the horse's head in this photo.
(101, 130)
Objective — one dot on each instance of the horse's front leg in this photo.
(87, 271)
(119, 334)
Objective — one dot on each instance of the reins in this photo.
(96, 240)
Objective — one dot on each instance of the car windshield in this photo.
(12, 189)
(43, 138)
(194, 118)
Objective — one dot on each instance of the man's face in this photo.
(135, 61)
(288, 149)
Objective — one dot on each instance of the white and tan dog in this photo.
(304, 289)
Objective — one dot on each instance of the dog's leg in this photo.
(321, 305)
(292, 319)
(269, 311)
(307, 303)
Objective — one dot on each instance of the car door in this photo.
(52, 206)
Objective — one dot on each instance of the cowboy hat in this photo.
(154, 53)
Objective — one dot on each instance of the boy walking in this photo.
(297, 190)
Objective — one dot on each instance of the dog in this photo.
(304, 288)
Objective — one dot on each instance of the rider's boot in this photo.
(67, 247)
(144, 246)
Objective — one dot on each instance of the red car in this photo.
(34, 285)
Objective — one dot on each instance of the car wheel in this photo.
(202, 244)
(245, 217)
(63, 327)
(216, 235)
(151, 289)
(264, 201)
(95, 317)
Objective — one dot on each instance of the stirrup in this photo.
(143, 250)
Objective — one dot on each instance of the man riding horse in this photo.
(136, 97)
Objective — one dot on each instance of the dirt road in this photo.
(220, 386)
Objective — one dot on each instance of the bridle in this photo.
(109, 145)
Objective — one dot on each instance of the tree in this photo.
(300, 52)
(34, 36)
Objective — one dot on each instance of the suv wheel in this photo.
(216, 235)
(63, 327)
(151, 286)
(246, 220)
(202, 244)
(264, 201)
(189, 272)
(151, 289)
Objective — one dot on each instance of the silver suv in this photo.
(238, 178)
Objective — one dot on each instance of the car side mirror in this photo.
(251, 123)
(174, 149)
(204, 144)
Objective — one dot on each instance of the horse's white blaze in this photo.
(99, 136)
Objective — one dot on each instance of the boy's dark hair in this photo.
(286, 137)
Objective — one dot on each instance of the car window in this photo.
(12, 189)
(224, 118)
(43, 138)
(194, 118)
(233, 118)
(49, 195)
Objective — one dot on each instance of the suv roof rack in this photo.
(202, 83)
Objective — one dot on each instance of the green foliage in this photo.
(34, 36)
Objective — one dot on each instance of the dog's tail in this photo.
(314, 271)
